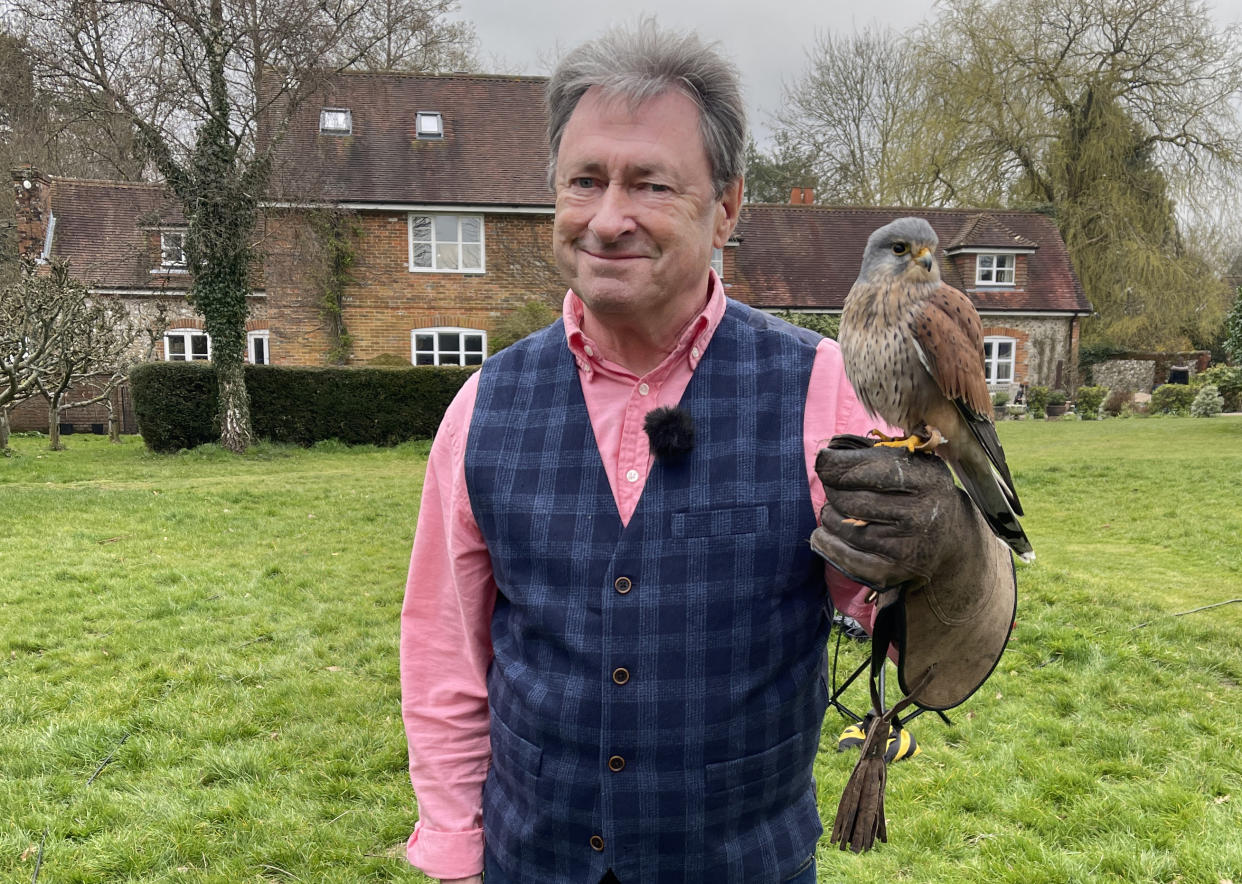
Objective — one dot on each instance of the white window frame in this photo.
(185, 334)
(263, 336)
(433, 242)
(438, 353)
(336, 121)
(172, 242)
(718, 262)
(428, 124)
(992, 360)
(999, 264)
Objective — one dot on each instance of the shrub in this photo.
(527, 319)
(1208, 402)
(1117, 401)
(1057, 397)
(1227, 379)
(388, 360)
(176, 403)
(1000, 397)
(825, 324)
(1172, 399)
(1087, 402)
(1037, 401)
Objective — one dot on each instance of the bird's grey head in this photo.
(905, 247)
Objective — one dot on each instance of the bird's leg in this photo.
(926, 439)
(933, 441)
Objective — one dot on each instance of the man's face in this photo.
(636, 213)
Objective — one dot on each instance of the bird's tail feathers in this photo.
(984, 432)
(991, 497)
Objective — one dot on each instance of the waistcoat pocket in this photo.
(521, 759)
(765, 774)
(721, 522)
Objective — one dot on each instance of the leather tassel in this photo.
(860, 814)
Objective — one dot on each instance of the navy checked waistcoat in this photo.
(657, 690)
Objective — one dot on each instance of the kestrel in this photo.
(913, 350)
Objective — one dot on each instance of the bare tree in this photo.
(408, 35)
(1010, 73)
(856, 118)
(31, 329)
(94, 351)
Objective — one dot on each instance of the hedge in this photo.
(175, 403)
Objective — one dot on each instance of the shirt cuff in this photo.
(446, 854)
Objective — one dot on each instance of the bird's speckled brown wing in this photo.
(950, 335)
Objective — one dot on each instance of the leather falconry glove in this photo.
(892, 519)
(945, 594)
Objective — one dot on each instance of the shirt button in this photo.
(643, 389)
(616, 764)
(623, 585)
(620, 675)
(587, 349)
(597, 843)
(631, 476)
(694, 351)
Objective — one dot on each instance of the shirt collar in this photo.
(691, 343)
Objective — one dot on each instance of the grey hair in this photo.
(638, 65)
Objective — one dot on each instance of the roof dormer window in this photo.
(336, 121)
(994, 269)
(172, 250)
(429, 124)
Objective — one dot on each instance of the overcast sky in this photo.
(767, 39)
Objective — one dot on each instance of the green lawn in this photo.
(222, 632)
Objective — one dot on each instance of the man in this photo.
(612, 661)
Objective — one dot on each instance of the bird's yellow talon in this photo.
(910, 443)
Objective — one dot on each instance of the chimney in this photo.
(802, 196)
(32, 191)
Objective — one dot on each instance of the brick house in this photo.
(409, 213)
(1012, 264)
(440, 183)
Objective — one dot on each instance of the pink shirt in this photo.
(450, 592)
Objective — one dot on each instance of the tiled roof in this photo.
(807, 257)
(494, 149)
(102, 228)
(987, 232)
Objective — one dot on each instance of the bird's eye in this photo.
(900, 248)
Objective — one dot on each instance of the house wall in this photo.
(1141, 372)
(383, 301)
(1046, 348)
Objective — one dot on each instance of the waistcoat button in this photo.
(620, 675)
(616, 764)
(597, 843)
(623, 585)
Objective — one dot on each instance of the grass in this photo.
(222, 632)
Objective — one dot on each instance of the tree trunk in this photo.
(114, 419)
(4, 429)
(53, 426)
(235, 432)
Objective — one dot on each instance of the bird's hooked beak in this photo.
(925, 258)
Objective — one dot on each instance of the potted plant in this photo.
(999, 400)
(1056, 404)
